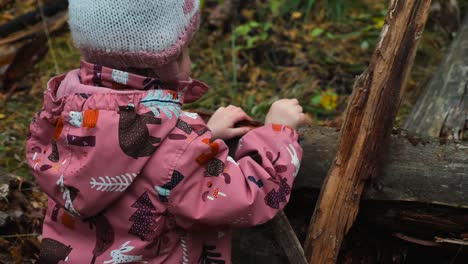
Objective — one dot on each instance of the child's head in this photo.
(137, 35)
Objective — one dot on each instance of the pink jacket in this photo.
(133, 178)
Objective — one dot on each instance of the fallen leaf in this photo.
(296, 15)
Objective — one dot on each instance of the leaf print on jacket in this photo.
(157, 100)
(118, 183)
(134, 137)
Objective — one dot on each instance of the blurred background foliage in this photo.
(308, 49)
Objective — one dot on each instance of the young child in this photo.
(131, 177)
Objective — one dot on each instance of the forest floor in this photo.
(265, 52)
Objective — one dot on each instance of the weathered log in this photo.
(375, 224)
(447, 13)
(53, 24)
(21, 50)
(442, 111)
(413, 169)
(369, 117)
(32, 18)
(287, 239)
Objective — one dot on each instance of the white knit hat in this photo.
(133, 33)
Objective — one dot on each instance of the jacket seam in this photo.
(181, 151)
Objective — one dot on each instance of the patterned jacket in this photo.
(133, 178)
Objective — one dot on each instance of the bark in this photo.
(367, 125)
(442, 111)
(377, 228)
(413, 169)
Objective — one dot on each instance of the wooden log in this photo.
(367, 125)
(442, 110)
(447, 13)
(287, 239)
(22, 50)
(376, 223)
(32, 18)
(414, 169)
(53, 24)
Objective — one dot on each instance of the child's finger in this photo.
(299, 108)
(240, 115)
(238, 132)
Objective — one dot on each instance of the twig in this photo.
(451, 241)
(47, 33)
(456, 255)
(19, 235)
(416, 240)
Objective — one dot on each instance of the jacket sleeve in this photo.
(77, 160)
(217, 190)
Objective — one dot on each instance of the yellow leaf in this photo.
(296, 15)
(2, 116)
(248, 14)
(329, 101)
(379, 23)
(36, 205)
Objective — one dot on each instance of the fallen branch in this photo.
(366, 128)
(416, 240)
(451, 241)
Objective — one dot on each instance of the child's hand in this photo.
(286, 112)
(223, 120)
